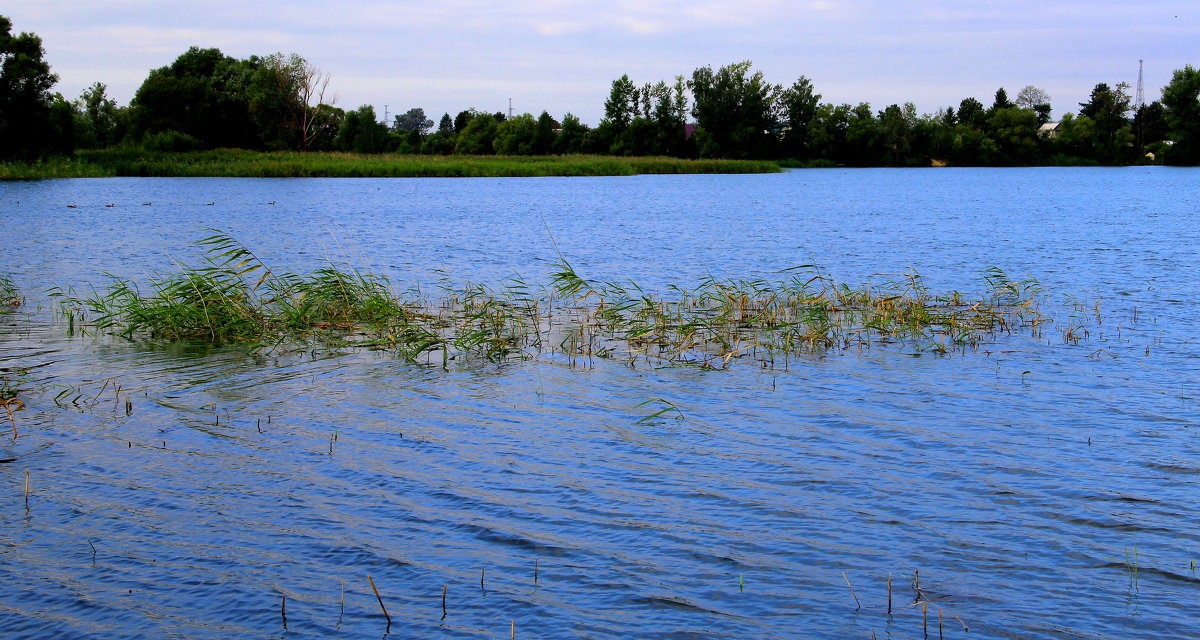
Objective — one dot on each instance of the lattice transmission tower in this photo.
(1140, 100)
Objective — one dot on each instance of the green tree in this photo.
(477, 137)
(571, 138)
(463, 119)
(1000, 101)
(203, 94)
(31, 118)
(735, 111)
(862, 136)
(798, 104)
(621, 105)
(542, 141)
(361, 132)
(1181, 102)
(99, 123)
(287, 100)
(971, 113)
(412, 120)
(1015, 132)
(1107, 107)
(1150, 123)
(896, 133)
(514, 136)
(827, 132)
(446, 125)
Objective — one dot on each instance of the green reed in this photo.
(234, 297)
(10, 296)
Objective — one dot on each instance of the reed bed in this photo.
(54, 167)
(252, 164)
(234, 298)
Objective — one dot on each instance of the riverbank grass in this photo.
(237, 163)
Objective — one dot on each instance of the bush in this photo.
(170, 141)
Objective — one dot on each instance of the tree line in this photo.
(206, 99)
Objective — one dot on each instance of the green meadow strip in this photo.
(238, 163)
(235, 298)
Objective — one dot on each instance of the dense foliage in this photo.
(33, 121)
(207, 100)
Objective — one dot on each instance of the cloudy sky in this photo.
(562, 55)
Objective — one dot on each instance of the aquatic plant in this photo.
(10, 297)
(233, 297)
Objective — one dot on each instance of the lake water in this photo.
(1040, 488)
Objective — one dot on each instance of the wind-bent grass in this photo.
(10, 297)
(235, 298)
(241, 163)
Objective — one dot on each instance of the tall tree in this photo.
(30, 123)
(1181, 101)
(1107, 108)
(1000, 101)
(798, 104)
(446, 125)
(361, 132)
(735, 110)
(413, 120)
(98, 121)
(971, 113)
(542, 141)
(622, 103)
(1031, 96)
(570, 139)
(300, 104)
(478, 136)
(514, 136)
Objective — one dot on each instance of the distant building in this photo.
(1049, 130)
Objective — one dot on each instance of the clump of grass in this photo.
(806, 311)
(10, 297)
(233, 297)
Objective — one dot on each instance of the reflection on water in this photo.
(1038, 491)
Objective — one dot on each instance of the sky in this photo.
(562, 55)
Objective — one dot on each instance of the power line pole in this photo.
(510, 108)
(1141, 95)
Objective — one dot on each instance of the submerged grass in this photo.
(254, 164)
(234, 297)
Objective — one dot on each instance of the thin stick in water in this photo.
(889, 594)
(380, 599)
(443, 602)
(856, 602)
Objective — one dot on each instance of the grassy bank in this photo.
(238, 163)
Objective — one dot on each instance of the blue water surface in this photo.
(1035, 488)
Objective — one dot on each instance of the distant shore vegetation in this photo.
(242, 163)
(189, 117)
